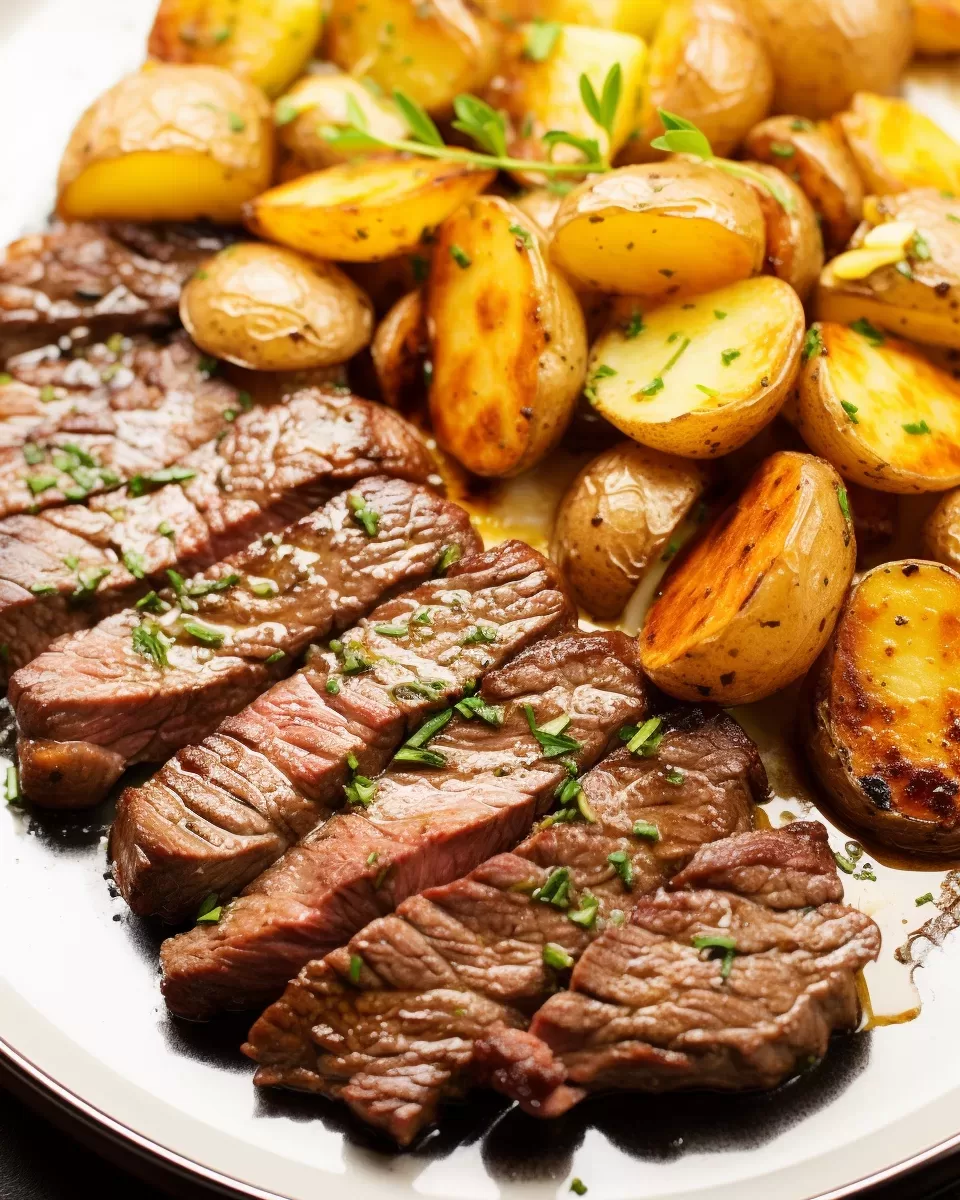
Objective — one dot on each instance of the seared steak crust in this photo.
(426, 826)
(224, 810)
(92, 705)
(64, 569)
(452, 976)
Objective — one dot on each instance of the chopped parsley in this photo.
(363, 515)
(729, 356)
(926, 898)
(634, 327)
(43, 589)
(413, 750)
(578, 1187)
(360, 790)
(139, 485)
(920, 248)
(675, 776)
(869, 331)
(236, 122)
(12, 787)
(718, 942)
(844, 502)
(424, 758)
(460, 257)
(204, 634)
(586, 915)
(654, 386)
(209, 911)
(480, 635)
(782, 149)
(150, 643)
(620, 861)
(134, 563)
(541, 37)
(448, 556)
(707, 391)
(471, 706)
(553, 741)
(812, 344)
(353, 659)
(423, 617)
(356, 966)
(522, 235)
(647, 738)
(851, 410)
(556, 957)
(646, 830)
(719, 314)
(556, 890)
(394, 631)
(33, 455)
(275, 657)
(916, 427)
(152, 603)
(165, 529)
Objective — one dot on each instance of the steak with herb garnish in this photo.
(222, 811)
(147, 681)
(452, 977)
(74, 427)
(466, 786)
(68, 567)
(108, 278)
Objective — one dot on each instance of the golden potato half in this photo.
(616, 521)
(508, 341)
(699, 378)
(268, 42)
(753, 603)
(882, 727)
(269, 309)
(364, 211)
(318, 101)
(170, 143)
(879, 411)
(660, 230)
(937, 26)
(896, 147)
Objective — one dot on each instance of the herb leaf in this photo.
(553, 740)
(420, 122)
(541, 37)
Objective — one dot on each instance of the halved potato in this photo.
(640, 17)
(794, 242)
(936, 26)
(819, 161)
(660, 230)
(364, 211)
(270, 309)
(268, 42)
(708, 64)
(169, 143)
(432, 50)
(882, 731)
(748, 609)
(616, 520)
(701, 377)
(399, 351)
(918, 295)
(507, 337)
(879, 411)
(318, 101)
(896, 147)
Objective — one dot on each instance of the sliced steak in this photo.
(453, 975)
(223, 811)
(64, 569)
(107, 278)
(650, 1010)
(426, 825)
(72, 427)
(98, 700)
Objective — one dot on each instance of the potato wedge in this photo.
(364, 211)
(432, 50)
(708, 64)
(170, 143)
(819, 161)
(660, 230)
(269, 309)
(749, 607)
(508, 342)
(319, 100)
(936, 26)
(896, 147)
(701, 378)
(918, 295)
(883, 716)
(399, 351)
(268, 42)
(825, 50)
(616, 520)
(794, 242)
(879, 411)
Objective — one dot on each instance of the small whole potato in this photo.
(616, 520)
(270, 309)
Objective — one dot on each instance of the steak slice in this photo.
(223, 811)
(64, 569)
(93, 704)
(107, 278)
(444, 987)
(649, 1011)
(73, 427)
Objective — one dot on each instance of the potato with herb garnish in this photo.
(749, 607)
(700, 377)
(169, 143)
(896, 147)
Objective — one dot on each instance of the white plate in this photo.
(79, 1005)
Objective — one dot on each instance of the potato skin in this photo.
(747, 610)
(318, 100)
(269, 309)
(399, 351)
(615, 521)
(794, 242)
(940, 537)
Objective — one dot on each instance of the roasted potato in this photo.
(432, 50)
(541, 204)
(937, 26)
(399, 351)
(269, 309)
(883, 709)
(364, 211)
(879, 411)
(819, 161)
(617, 519)
(825, 50)
(268, 42)
(896, 147)
(659, 230)
(794, 243)
(700, 378)
(749, 607)
(507, 337)
(321, 100)
(940, 536)
(170, 143)
(904, 272)
(639, 17)
(707, 63)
